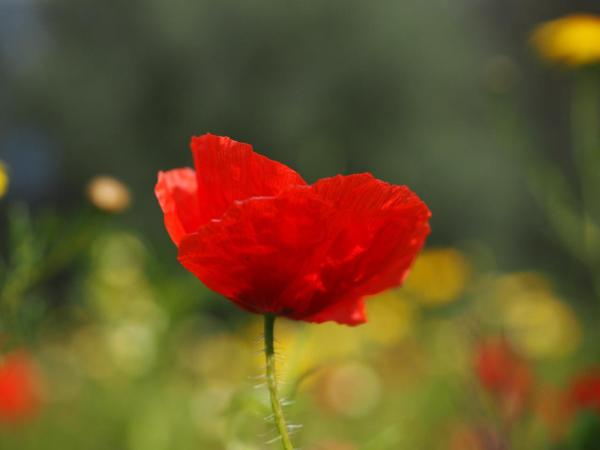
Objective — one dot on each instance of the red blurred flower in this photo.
(505, 374)
(252, 230)
(20, 388)
(584, 392)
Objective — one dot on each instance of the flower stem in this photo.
(585, 117)
(585, 120)
(272, 383)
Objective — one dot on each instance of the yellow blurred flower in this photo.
(438, 277)
(573, 40)
(391, 319)
(3, 180)
(536, 321)
(108, 194)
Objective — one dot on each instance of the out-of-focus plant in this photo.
(42, 246)
(575, 418)
(23, 267)
(506, 375)
(584, 392)
(574, 41)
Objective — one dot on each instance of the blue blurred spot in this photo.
(32, 162)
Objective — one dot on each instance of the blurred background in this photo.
(493, 342)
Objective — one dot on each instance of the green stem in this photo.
(585, 124)
(272, 383)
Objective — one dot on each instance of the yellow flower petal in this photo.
(573, 40)
(391, 319)
(438, 277)
(3, 180)
(536, 321)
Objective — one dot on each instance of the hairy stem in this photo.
(278, 416)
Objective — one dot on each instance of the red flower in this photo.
(505, 374)
(500, 368)
(584, 392)
(20, 390)
(252, 230)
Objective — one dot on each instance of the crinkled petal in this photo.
(393, 223)
(376, 230)
(254, 251)
(311, 253)
(228, 170)
(176, 191)
(364, 194)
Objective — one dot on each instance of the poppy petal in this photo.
(228, 170)
(257, 248)
(375, 230)
(345, 312)
(363, 193)
(390, 227)
(176, 191)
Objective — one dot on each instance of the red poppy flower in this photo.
(584, 392)
(505, 374)
(254, 231)
(20, 391)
